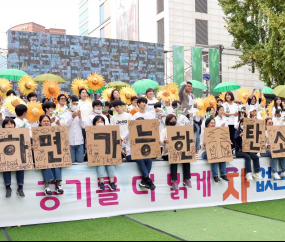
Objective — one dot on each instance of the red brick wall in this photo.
(33, 27)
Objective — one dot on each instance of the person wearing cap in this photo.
(253, 112)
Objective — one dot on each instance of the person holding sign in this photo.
(274, 161)
(100, 121)
(171, 120)
(239, 135)
(51, 175)
(9, 123)
(253, 102)
(211, 123)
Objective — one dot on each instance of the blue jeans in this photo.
(197, 137)
(101, 171)
(215, 166)
(274, 162)
(248, 157)
(52, 175)
(144, 165)
(19, 175)
(77, 153)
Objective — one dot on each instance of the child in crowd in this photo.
(100, 121)
(171, 120)
(220, 119)
(277, 105)
(150, 102)
(62, 101)
(106, 111)
(32, 97)
(97, 111)
(160, 115)
(278, 120)
(75, 125)
(9, 123)
(182, 120)
(51, 175)
(142, 113)
(21, 112)
(253, 102)
(241, 115)
(247, 156)
(84, 105)
(220, 102)
(210, 123)
(210, 112)
(49, 108)
(134, 104)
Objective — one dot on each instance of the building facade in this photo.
(33, 27)
(188, 23)
(3, 62)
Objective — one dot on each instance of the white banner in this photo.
(83, 200)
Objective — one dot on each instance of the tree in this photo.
(258, 28)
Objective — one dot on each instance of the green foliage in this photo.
(258, 28)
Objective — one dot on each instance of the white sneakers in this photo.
(258, 176)
(249, 177)
(276, 176)
(282, 174)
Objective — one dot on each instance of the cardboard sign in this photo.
(104, 145)
(219, 148)
(181, 145)
(15, 150)
(144, 138)
(276, 137)
(254, 139)
(51, 147)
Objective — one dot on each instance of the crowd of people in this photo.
(77, 112)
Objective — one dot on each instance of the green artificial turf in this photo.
(109, 229)
(214, 224)
(2, 236)
(271, 209)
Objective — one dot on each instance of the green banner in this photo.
(197, 69)
(214, 69)
(178, 64)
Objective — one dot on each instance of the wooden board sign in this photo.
(104, 145)
(276, 137)
(15, 150)
(51, 147)
(181, 147)
(254, 139)
(144, 139)
(218, 145)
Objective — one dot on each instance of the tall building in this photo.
(188, 23)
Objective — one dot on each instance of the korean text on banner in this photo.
(276, 137)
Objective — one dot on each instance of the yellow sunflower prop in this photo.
(77, 85)
(27, 85)
(269, 108)
(222, 96)
(5, 86)
(51, 89)
(34, 111)
(263, 114)
(201, 107)
(263, 100)
(12, 102)
(243, 95)
(95, 81)
(65, 94)
(173, 88)
(210, 101)
(126, 94)
(166, 95)
(106, 94)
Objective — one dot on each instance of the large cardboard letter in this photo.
(276, 137)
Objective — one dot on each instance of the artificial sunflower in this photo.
(269, 109)
(173, 88)
(201, 107)
(210, 101)
(27, 85)
(166, 95)
(106, 94)
(12, 102)
(222, 96)
(77, 85)
(95, 81)
(65, 94)
(34, 111)
(263, 100)
(243, 95)
(263, 114)
(126, 94)
(5, 86)
(51, 89)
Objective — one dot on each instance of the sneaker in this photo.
(187, 183)
(175, 185)
(112, 186)
(20, 193)
(216, 179)
(48, 192)
(225, 179)
(150, 183)
(258, 176)
(59, 190)
(282, 174)
(276, 176)
(144, 184)
(102, 187)
(249, 177)
(8, 193)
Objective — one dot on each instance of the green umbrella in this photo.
(159, 89)
(117, 85)
(196, 85)
(142, 85)
(279, 91)
(227, 87)
(44, 77)
(101, 89)
(12, 74)
(267, 90)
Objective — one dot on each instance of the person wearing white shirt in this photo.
(62, 102)
(278, 120)
(211, 112)
(253, 102)
(75, 125)
(160, 115)
(277, 105)
(134, 104)
(151, 102)
(231, 111)
(49, 108)
(98, 107)
(84, 105)
(241, 115)
(221, 120)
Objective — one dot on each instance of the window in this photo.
(201, 32)
(160, 6)
(201, 6)
(160, 31)
(83, 16)
(83, 30)
(83, 8)
(102, 15)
